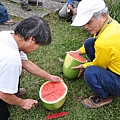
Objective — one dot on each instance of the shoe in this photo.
(69, 19)
(96, 102)
(34, 3)
(22, 92)
(9, 22)
(25, 6)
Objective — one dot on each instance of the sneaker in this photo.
(96, 102)
(69, 19)
(25, 6)
(22, 92)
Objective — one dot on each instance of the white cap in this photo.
(86, 10)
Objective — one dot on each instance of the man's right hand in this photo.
(28, 104)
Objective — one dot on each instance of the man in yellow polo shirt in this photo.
(102, 73)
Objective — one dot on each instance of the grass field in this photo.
(64, 38)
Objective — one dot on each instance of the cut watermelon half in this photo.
(72, 60)
(77, 57)
(53, 94)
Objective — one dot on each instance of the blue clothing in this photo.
(90, 50)
(102, 82)
(3, 14)
(70, 1)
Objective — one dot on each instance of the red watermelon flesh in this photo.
(77, 57)
(53, 94)
(52, 91)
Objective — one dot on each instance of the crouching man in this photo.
(102, 73)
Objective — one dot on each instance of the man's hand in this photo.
(14, 100)
(75, 52)
(55, 79)
(73, 10)
(28, 104)
(82, 69)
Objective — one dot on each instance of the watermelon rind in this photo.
(68, 63)
(56, 104)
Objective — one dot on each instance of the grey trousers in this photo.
(19, 1)
(28, 0)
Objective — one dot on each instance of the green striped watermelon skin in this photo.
(72, 60)
(54, 106)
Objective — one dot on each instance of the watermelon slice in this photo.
(72, 60)
(53, 94)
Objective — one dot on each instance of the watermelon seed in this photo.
(53, 86)
(48, 94)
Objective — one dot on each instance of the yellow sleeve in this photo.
(102, 57)
(82, 49)
(87, 64)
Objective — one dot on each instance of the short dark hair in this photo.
(35, 27)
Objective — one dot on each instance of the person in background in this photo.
(102, 73)
(69, 10)
(28, 36)
(26, 4)
(4, 17)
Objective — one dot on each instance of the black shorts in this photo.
(4, 113)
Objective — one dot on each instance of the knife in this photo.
(56, 115)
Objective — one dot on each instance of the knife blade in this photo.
(56, 115)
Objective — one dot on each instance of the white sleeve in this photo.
(23, 56)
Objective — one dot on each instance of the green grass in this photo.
(64, 38)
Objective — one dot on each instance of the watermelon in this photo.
(72, 60)
(53, 94)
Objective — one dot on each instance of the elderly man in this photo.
(28, 36)
(102, 74)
